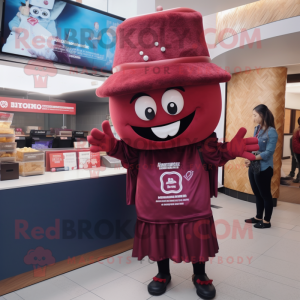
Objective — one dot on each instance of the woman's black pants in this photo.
(261, 187)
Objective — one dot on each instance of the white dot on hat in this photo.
(141, 52)
(146, 57)
(156, 44)
(163, 49)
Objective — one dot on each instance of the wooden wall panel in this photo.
(297, 116)
(246, 90)
(287, 120)
(253, 15)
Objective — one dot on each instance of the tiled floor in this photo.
(262, 264)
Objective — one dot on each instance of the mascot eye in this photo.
(35, 11)
(45, 13)
(145, 108)
(172, 102)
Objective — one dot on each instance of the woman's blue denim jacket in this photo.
(267, 141)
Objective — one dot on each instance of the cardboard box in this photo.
(81, 145)
(56, 160)
(110, 162)
(48, 152)
(87, 160)
(65, 160)
(70, 160)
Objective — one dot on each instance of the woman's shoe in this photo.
(261, 224)
(204, 287)
(252, 220)
(289, 177)
(158, 285)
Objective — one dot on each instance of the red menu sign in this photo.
(37, 106)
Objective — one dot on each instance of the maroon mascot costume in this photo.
(165, 103)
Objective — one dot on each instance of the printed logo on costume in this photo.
(188, 175)
(172, 165)
(171, 182)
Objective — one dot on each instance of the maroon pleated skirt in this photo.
(189, 242)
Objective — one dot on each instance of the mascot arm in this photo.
(51, 27)
(218, 154)
(15, 22)
(242, 147)
(105, 141)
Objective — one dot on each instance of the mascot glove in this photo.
(242, 147)
(102, 141)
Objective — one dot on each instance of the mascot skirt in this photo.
(189, 242)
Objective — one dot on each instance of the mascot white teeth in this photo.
(35, 19)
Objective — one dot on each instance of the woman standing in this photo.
(261, 182)
(296, 144)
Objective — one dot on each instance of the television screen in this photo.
(61, 31)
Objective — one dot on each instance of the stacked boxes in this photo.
(31, 161)
(7, 138)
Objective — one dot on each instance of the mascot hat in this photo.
(43, 3)
(161, 50)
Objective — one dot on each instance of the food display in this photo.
(29, 154)
(8, 146)
(7, 155)
(7, 130)
(28, 168)
(5, 124)
(5, 120)
(31, 161)
(7, 138)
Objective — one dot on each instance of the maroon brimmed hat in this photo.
(160, 50)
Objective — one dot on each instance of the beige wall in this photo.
(245, 90)
(255, 14)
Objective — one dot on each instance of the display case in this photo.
(31, 161)
(8, 146)
(7, 138)
(28, 154)
(7, 131)
(7, 155)
(29, 168)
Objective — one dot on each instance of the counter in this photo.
(58, 177)
(67, 214)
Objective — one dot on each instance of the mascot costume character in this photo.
(36, 18)
(165, 103)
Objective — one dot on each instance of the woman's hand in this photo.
(247, 163)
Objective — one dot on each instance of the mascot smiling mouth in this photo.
(165, 132)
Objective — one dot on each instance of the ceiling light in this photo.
(14, 77)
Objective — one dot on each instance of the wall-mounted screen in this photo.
(61, 31)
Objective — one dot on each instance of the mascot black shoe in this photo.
(158, 285)
(204, 287)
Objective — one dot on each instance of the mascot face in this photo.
(41, 8)
(166, 118)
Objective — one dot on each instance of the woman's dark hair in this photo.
(299, 121)
(266, 115)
